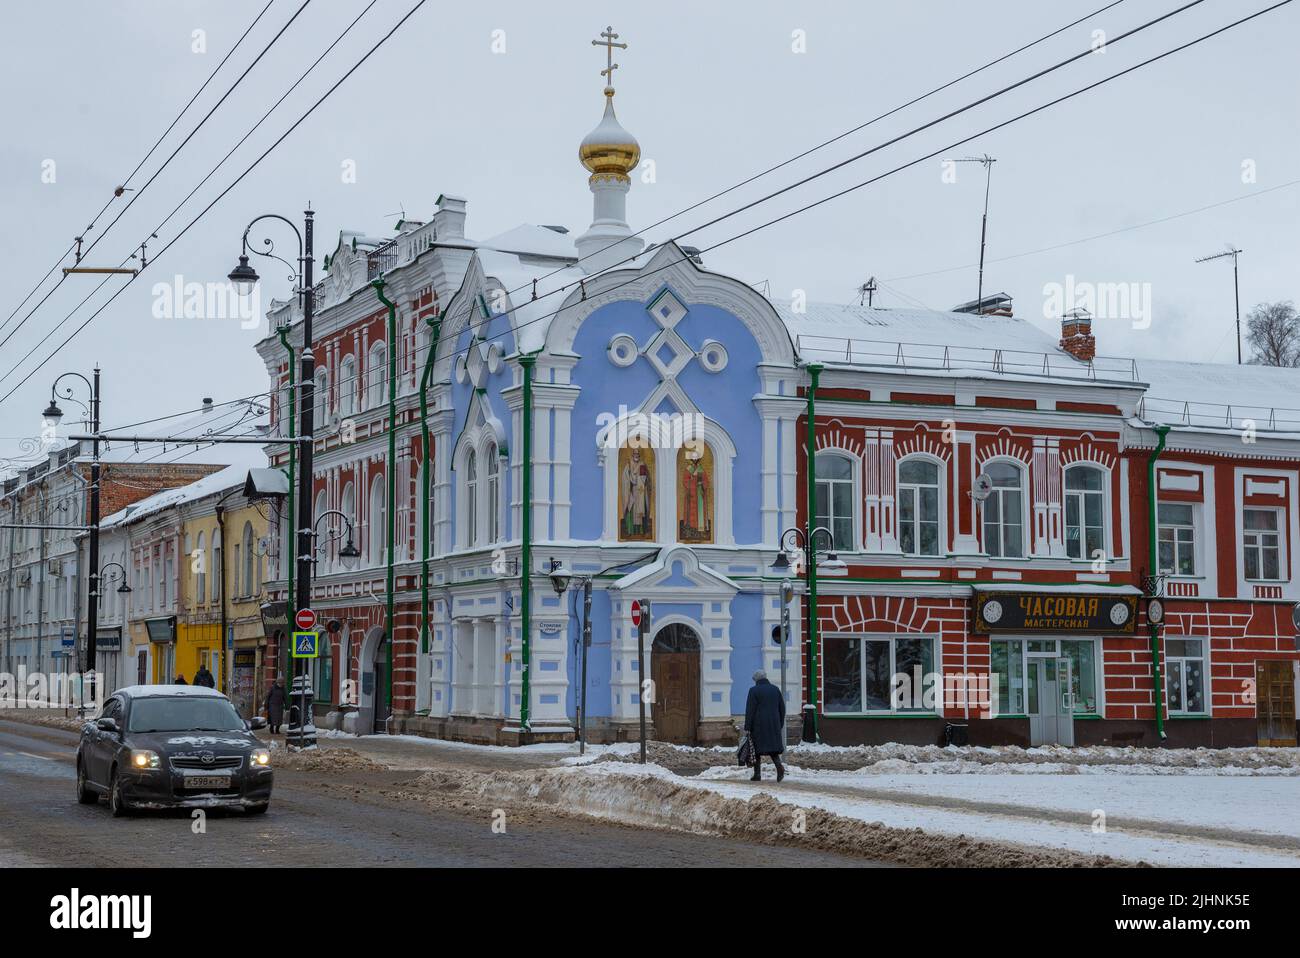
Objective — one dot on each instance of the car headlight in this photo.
(144, 758)
(259, 758)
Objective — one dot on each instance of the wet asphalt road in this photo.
(320, 819)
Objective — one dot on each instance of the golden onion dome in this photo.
(609, 149)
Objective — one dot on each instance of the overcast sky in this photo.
(714, 92)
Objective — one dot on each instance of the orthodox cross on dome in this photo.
(607, 41)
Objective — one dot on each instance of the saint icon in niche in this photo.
(695, 492)
(636, 466)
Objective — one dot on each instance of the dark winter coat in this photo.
(275, 705)
(764, 717)
(204, 677)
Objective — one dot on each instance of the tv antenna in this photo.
(867, 291)
(1236, 289)
(987, 162)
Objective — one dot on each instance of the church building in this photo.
(539, 411)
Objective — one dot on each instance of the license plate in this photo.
(207, 781)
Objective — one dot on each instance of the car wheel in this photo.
(257, 809)
(115, 800)
(85, 794)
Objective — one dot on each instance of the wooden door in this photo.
(1275, 703)
(676, 706)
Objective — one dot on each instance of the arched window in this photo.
(376, 375)
(201, 571)
(216, 565)
(1085, 512)
(378, 524)
(324, 544)
(471, 499)
(1004, 515)
(249, 587)
(321, 399)
(347, 386)
(918, 507)
(836, 495)
(348, 506)
(493, 465)
(190, 564)
(695, 491)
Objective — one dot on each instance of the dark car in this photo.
(172, 746)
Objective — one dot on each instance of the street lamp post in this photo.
(804, 543)
(245, 278)
(52, 415)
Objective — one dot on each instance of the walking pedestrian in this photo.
(275, 700)
(765, 723)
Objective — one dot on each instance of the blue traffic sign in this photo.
(305, 645)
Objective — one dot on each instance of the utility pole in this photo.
(1236, 288)
(867, 292)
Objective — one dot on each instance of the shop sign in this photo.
(1055, 612)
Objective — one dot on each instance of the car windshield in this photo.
(184, 713)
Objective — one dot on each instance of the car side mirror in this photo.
(107, 725)
(255, 723)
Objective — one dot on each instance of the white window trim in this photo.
(1198, 546)
(1204, 659)
(1026, 527)
(855, 496)
(1107, 520)
(1280, 513)
(944, 548)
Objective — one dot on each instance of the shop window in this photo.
(1261, 544)
(1007, 669)
(918, 507)
(877, 675)
(1177, 538)
(1085, 511)
(836, 494)
(1185, 683)
(1004, 512)
(1082, 654)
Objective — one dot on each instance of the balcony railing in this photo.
(1208, 415)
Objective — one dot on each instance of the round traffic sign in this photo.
(636, 612)
(305, 619)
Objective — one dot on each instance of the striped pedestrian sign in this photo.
(305, 645)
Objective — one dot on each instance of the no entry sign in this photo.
(305, 619)
(636, 613)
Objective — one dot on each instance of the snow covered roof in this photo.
(266, 483)
(533, 240)
(1220, 394)
(531, 318)
(231, 477)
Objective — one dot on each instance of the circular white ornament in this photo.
(622, 350)
(713, 356)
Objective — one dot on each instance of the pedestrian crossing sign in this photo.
(305, 645)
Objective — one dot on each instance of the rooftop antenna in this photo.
(867, 291)
(987, 162)
(1236, 289)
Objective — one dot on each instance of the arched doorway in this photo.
(381, 698)
(675, 670)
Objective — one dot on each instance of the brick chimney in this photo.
(1076, 335)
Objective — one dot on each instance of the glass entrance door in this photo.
(1051, 701)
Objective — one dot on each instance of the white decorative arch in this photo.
(938, 458)
(619, 431)
(669, 267)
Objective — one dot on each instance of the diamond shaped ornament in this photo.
(667, 309)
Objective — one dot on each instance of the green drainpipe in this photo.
(810, 548)
(1152, 530)
(283, 333)
(435, 326)
(526, 537)
(391, 473)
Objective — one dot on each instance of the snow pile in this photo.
(322, 759)
(653, 796)
(40, 716)
(896, 758)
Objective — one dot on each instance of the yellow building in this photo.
(226, 543)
